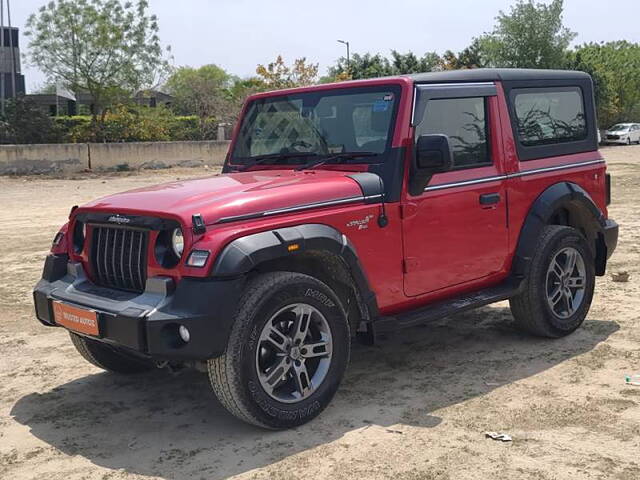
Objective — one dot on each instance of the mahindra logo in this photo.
(118, 219)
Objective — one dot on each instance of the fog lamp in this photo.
(184, 333)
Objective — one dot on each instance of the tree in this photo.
(370, 66)
(203, 92)
(102, 47)
(532, 35)
(277, 75)
(26, 122)
(470, 57)
(360, 66)
(615, 69)
(410, 63)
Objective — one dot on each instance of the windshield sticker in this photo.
(388, 97)
(380, 106)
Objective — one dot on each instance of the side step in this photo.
(445, 308)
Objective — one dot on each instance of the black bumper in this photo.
(146, 323)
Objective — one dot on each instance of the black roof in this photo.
(497, 74)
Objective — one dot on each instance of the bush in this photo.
(25, 122)
(123, 123)
(185, 128)
(73, 129)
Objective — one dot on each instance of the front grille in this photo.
(119, 257)
(613, 137)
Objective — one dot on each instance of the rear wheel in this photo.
(557, 293)
(107, 357)
(287, 352)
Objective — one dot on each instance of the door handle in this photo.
(489, 198)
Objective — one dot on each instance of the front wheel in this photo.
(557, 293)
(287, 352)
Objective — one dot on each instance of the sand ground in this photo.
(415, 406)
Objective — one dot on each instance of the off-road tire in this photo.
(107, 357)
(234, 376)
(530, 308)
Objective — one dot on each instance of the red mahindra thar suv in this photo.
(343, 210)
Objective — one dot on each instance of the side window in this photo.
(463, 120)
(549, 116)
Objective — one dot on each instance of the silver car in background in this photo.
(623, 133)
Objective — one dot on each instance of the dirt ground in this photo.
(415, 406)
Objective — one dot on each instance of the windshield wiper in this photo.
(316, 162)
(259, 160)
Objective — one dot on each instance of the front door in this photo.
(456, 230)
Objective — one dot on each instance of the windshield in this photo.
(620, 127)
(293, 128)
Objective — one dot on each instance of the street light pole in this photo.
(344, 42)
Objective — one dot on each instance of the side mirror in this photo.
(433, 154)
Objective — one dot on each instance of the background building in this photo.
(10, 84)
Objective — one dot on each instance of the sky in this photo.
(239, 34)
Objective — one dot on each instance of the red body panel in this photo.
(436, 245)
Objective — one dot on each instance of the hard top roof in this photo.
(496, 74)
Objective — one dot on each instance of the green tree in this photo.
(410, 63)
(532, 35)
(360, 66)
(26, 122)
(204, 92)
(277, 74)
(102, 47)
(615, 69)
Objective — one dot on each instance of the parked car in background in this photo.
(623, 133)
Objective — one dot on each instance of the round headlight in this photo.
(177, 242)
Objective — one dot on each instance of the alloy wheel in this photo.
(566, 282)
(294, 353)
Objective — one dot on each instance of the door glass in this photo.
(463, 120)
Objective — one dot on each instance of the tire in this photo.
(543, 308)
(242, 376)
(108, 358)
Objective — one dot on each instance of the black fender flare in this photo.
(244, 254)
(563, 195)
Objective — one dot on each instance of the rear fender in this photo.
(558, 201)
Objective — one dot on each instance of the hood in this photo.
(230, 195)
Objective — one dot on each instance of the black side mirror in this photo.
(432, 155)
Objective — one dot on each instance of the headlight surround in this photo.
(57, 239)
(79, 236)
(177, 242)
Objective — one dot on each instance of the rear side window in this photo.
(547, 116)
(464, 121)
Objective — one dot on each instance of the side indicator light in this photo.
(198, 258)
(293, 247)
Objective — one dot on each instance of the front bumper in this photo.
(613, 141)
(146, 323)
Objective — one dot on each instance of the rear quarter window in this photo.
(547, 116)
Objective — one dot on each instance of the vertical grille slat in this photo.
(118, 257)
(97, 237)
(140, 257)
